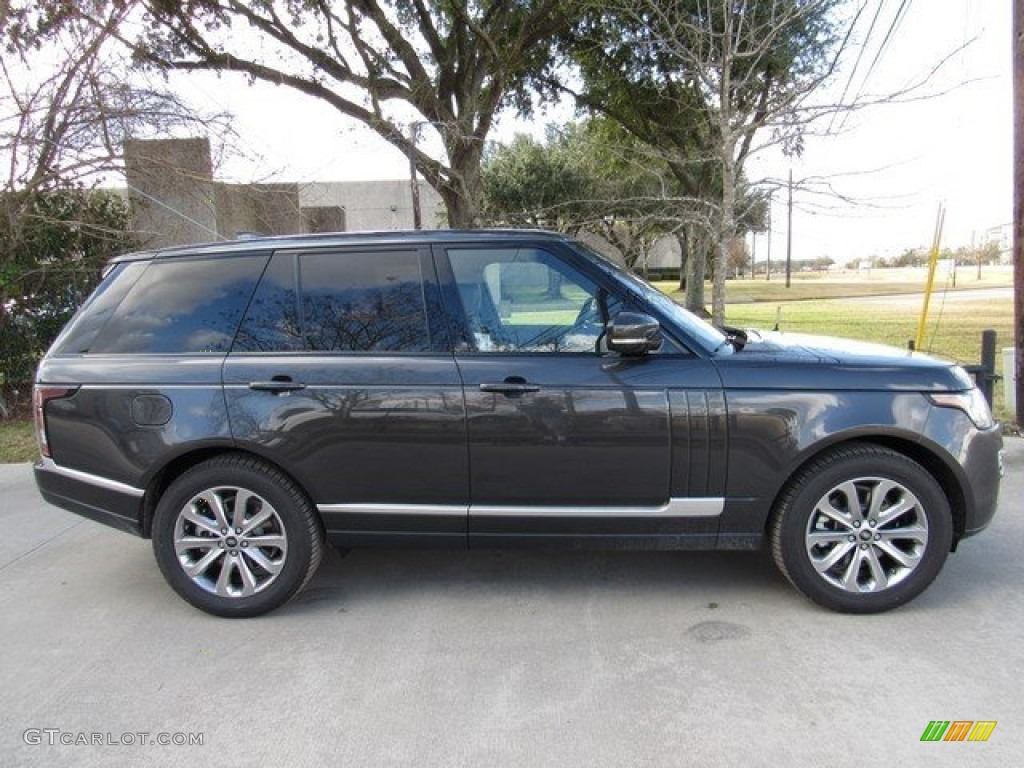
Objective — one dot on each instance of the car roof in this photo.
(392, 237)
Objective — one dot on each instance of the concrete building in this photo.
(176, 200)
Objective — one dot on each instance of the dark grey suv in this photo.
(244, 403)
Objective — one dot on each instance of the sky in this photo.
(891, 165)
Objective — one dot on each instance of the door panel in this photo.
(343, 375)
(375, 432)
(587, 436)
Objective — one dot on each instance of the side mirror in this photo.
(633, 333)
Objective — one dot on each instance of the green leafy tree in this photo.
(590, 176)
(708, 83)
(53, 246)
(528, 183)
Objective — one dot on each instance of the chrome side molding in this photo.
(703, 507)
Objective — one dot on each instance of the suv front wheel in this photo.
(861, 529)
(235, 537)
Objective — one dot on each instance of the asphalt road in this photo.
(972, 294)
(494, 659)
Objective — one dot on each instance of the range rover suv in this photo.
(244, 404)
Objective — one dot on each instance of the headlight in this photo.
(971, 402)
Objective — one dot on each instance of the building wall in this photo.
(265, 208)
(375, 205)
(170, 185)
(664, 254)
(176, 201)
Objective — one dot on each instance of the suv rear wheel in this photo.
(235, 537)
(861, 529)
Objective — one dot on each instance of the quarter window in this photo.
(182, 306)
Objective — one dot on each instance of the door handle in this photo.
(511, 387)
(277, 385)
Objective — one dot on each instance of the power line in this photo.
(890, 33)
(860, 54)
(893, 27)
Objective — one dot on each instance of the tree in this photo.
(709, 77)
(739, 257)
(66, 107)
(68, 100)
(393, 65)
(533, 184)
(590, 176)
(52, 255)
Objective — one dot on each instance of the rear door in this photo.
(342, 373)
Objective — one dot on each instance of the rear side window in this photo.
(374, 301)
(94, 314)
(182, 306)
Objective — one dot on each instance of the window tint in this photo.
(95, 313)
(351, 302)
(272, 322)
(183, 306)
(528, 300)
(364, 302)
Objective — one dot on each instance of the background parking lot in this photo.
(500, 658)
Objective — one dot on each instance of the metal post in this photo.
(1018, 201)
(933, 261)
(988, 363)
(768, 262)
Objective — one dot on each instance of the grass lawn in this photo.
(846, 283)
(17, 442)
(953, 331)
(819, 304)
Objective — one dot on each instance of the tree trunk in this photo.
(684, 261)
(726, 233)
(696, 262)
(463, 191)
(462, 213)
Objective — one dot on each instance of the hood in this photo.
(825, 362)
(830, 348)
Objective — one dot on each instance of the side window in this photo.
(272, 322)
(364, 302)
(94, 314)
(528, 300)
(350, 302)
(182, 306)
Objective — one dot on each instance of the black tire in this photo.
(865, 566)
(239, 571)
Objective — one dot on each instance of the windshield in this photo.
(703, 332)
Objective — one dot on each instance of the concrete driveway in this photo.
(482, 659)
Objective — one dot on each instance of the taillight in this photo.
(41, 395)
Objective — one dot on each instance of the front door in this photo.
(568, 443)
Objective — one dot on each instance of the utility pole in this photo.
(1018, 201)
(414, 186)
(789, 230)
(768, 263)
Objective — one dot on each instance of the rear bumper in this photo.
(97, 498)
